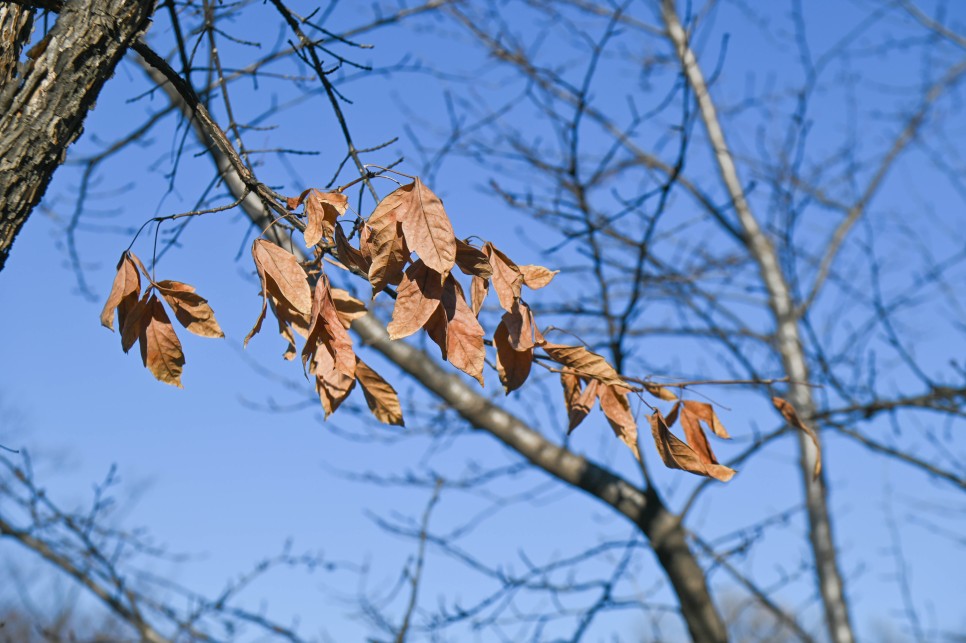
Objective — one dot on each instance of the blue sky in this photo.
(221, 478)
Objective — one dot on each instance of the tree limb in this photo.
(45, 112)
(781, 304)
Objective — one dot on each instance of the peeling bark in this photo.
(43, 111)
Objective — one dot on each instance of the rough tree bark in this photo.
(42, 110)
(15, 25)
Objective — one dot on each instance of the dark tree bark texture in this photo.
(15, 24)
(42, 109)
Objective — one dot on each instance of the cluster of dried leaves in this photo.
(407, 248)
(142, 318)
(321, 315)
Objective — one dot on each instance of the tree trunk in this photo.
(789, 345)
(15, 24)
(646, 509)
(42, 111)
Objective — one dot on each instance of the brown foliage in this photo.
(512, 365)
(160, 349)
(791, 416)
(322, 210)
(417, 299)
(142, 318)
(581, 361)
(429, 297)
(380, 395)
(679, 455)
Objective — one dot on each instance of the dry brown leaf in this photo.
(353, 259)
(660, 392)
(322, 209)
(571, 389)
(332, 385)
(318, 336)
(348, 307)
(365, 233)
(583, 363)
(791, 416)
(582, 405)
(520, 326)
(284, 285)
(140, 265)
(137, 319)
(507, 278)
(257, 327)
(471, 261)
(190, 308)
(705, 412)
(672, 417)
(327, 330)
(385, 243)
(426, 226)
(436, 329)
(478, 290)
(513, 366)
(125, 292)
(293, 202)
(280, 268)
(381, 397)
(464, 335)
(678, 455)
(617, 409)
(417, 299)
(285, 331)
(695, 437)
(537, 276)
(160, 349)
(298, 320)
(692, 414)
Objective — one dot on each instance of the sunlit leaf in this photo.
(791, 416)
(678, 455)
(464, 335)
(513, 366)
(385, 243)
(381, 397)
(472, 261)
(280, 268)
(582, 405)
(190, 308)
(426, 226)
(535, 277)
(348, 307)
(327, 331)
(478, 290)
(507, 279)
(322, 209)
(583, 362)
(353, 259)
(617, 410)
(125, 292)
(160, 348)
(417, 298)
(660, 392)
